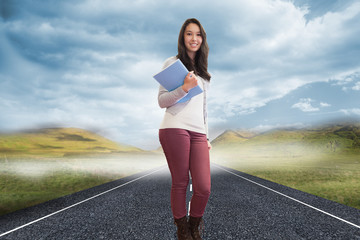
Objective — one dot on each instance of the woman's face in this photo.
(192, 39)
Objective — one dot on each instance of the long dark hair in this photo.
(200, 64)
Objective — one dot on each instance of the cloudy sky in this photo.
(89, 64)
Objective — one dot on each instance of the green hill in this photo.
(331, 138)
(58, 142)
(233, 136)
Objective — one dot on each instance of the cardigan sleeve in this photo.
(206, 91)
(167, 99)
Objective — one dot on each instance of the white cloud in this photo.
(353, 111)
(345, 79)
(356, 87)
(305, 105)
(322, 104)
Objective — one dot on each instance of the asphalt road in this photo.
(138, 207)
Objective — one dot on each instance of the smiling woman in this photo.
(183, 132)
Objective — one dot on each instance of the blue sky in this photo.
(89, 64)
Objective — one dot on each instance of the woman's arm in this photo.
(206, 90)
(167, 99)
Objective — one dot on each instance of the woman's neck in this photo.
(191, 56)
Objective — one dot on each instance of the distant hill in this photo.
(335, 137)
(59, 142)
(233, 136)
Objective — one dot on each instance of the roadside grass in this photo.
(25, 182)
(18, 192)
(341, 186)
(334, 176)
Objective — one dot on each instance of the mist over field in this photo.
(115, 165)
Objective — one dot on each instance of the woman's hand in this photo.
(209, 145)
(190, 82)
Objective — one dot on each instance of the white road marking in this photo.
(189, 208)
(317, 209)
(190, 200)
(42, 218)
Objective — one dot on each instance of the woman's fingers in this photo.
(190, 81)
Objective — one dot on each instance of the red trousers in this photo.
(187, 151)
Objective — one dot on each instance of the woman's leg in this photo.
(200, 173)
(176, 146)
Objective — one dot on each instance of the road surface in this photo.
(241, 206)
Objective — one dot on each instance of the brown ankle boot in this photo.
(195, 224)
(183, 230)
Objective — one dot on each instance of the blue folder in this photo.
(173, 77)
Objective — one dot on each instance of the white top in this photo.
(190, 115)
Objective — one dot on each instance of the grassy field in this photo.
(26, 182)
(324, 162)
(39, 165)
(18, 192)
